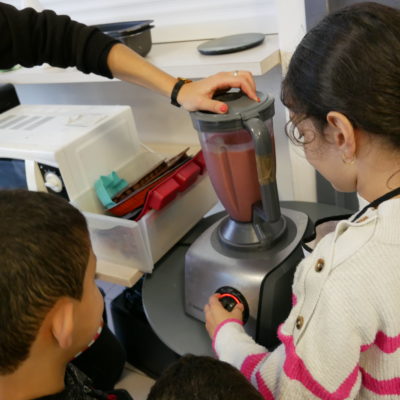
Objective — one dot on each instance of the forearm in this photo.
(129, 66)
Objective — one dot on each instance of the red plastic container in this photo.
(162, 192)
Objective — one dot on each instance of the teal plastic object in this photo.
(107, 187)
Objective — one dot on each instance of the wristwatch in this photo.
(176, 89)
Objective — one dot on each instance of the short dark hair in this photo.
(202, 378)
(349, 63)
(44, 252)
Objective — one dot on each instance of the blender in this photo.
(248, 256)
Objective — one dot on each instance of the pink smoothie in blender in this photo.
(231, 164)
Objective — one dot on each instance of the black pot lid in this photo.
(125, 28)
(231, 44)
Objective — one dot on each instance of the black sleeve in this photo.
(30, 38)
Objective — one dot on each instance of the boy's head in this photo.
(47, 289)
(202, 378)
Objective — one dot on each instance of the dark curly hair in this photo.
(202, 378)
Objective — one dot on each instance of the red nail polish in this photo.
(223, 108)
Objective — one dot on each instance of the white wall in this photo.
(291, 29)
(174, 20)
(156, 119)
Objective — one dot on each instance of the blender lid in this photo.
(240, 108)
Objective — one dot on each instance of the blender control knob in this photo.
(228, 301)
(229, 297)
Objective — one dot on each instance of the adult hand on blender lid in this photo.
(198, 95)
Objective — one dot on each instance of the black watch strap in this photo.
(176, 89)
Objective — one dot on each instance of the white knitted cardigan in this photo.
(342, 337)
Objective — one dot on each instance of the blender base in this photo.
(263, 277)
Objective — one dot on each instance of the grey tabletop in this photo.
(163, 290)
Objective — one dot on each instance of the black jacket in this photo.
(78, 387)
(30, 38)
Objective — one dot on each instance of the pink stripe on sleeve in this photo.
(294, 300)
(263, 388)
(387, 344)
(250, 363)
(382, 387)
(365, 347)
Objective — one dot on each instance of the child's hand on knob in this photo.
(216, 314)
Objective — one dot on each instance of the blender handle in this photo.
(266, 167)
